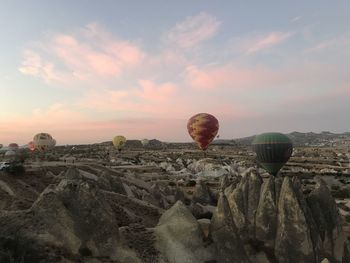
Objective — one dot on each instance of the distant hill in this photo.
(308, 139)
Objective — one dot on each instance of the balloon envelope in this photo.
(119, 141)
(10, 153)
(53, 143)
(272, 150)
(42, 141)
(31, 146)
(203, 128)
(145, 142)
(13, 146)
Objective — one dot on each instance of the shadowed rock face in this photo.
(89, 217)
(201, 194)
(293, 239)
(111, 183)
(236, 204)
(224, 233)
(225, 182)
(73, 217)
(180, 237)
(266, 214)
(346, 256)
(244, 202)
(328, 222)
(287, 225)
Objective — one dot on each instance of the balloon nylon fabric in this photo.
(272, 150)
(203, 128)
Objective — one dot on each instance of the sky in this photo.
(85, 71)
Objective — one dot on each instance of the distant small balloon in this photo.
(119, 142)
(13, 146)
(53, 143)
(31, 146)
(144, 142)
(203, 128)
(42, 141)
(10, 153)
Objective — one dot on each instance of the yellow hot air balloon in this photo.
(118, 142)
(53, 143)
(42, 141)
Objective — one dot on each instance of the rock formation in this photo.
(180, 237)
(224, 233)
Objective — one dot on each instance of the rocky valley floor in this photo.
(176, 205)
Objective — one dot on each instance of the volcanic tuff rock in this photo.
(266, 214)
(73, 217)
(293, 239)
(201, 193)
(111, 183)
(180, 237)
(225, 182)
(325, 213)
(289, 226)
(224, 233)
(244, 203)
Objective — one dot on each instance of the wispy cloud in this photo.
(144, 99)
(228, 77)
(92, 52)
(193, 30)
(336, 42)
(295, 19)
(34, 65)
(265, 42)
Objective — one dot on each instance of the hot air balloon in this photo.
(272, 151)
(144, 142)
(31, 146)
(118, 142)
(53, 143)
(13, 146)
(10, 154)
(42, 141)
(203, 128)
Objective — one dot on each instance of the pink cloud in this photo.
(34, 65)
(268, 41)
(87, 54)
(147, 98)
(193, 30)
(150, 91)
(228, 77)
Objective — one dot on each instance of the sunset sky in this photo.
(85, 71)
